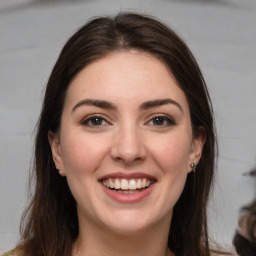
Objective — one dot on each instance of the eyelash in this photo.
(164, 121)
(93, 118)
(168, 121)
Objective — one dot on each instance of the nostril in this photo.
(128, 151)
(128, 158)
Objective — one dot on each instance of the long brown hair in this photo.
(50, 223)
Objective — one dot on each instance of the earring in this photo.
(193, 166)
(58, 169)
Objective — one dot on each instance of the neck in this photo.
(93, 240)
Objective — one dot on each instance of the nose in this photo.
(128, 146)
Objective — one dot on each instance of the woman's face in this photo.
(125, 144)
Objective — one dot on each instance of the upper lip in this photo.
(127, 176)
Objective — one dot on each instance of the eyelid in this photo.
(171, 121)
(90, 117)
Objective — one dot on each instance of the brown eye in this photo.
(158, 121)
(161, 121)
(94, 121)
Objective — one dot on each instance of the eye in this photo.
(94, 121)
(161, 121)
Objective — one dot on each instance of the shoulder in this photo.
(230, 253)
(13, 253)
(224, 254)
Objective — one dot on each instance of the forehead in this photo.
(126, 75)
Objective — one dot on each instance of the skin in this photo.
(127, 139)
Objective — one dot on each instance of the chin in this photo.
(130, 222)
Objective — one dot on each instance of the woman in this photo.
(125, 147)
(245, 237)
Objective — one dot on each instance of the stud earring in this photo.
(193, 167)
(58, 169)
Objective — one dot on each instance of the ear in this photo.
(197, 147)
(55, 145)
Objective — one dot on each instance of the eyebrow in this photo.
(97, 103)
(144, 106)
(158, 103)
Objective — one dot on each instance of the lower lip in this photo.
(126, 198)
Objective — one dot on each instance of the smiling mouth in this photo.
(127, 186)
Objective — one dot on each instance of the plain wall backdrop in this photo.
(222, 36)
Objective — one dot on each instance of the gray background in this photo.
(221, 34)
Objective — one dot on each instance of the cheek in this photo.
(82, 154)
(172, 154)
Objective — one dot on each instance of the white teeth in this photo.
(117, 184)
(125, 184)
(139, 184)
(111, 184)
(132, 184)
(128, 192)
